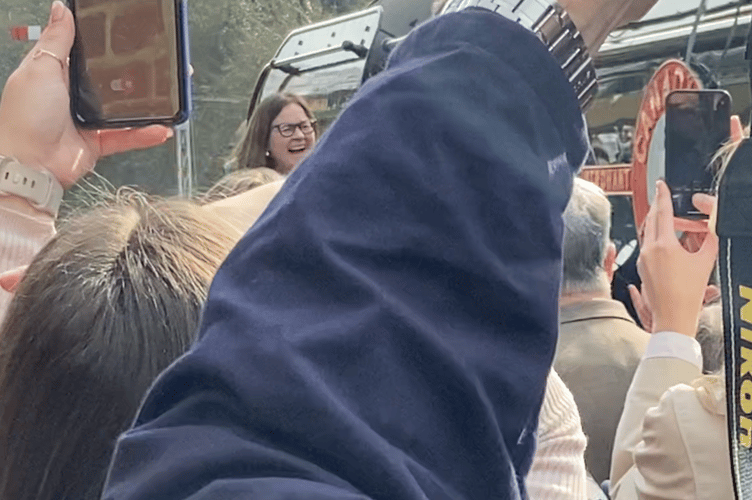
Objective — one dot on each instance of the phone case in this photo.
(86, 115)
(685, 173)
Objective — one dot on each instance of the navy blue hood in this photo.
(386, 328)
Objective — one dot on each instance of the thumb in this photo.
(9, 280)
(712, 292)
(737, 130)
(57, 37)
(634, 294)
(709, 250)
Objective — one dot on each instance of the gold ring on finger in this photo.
(43, 52)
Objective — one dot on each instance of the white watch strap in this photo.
(39, 187)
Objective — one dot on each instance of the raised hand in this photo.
(35, 123)
(674, 280)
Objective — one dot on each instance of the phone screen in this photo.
(129, 62)
(697, 125)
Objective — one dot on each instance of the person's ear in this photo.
(9, 280)
(609, 262)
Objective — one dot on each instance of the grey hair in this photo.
(587, 226)
(710, 337)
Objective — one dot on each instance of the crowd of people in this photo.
(418, 306)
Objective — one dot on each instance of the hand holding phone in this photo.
(697, 125)
(36, 126)
(674, 279)
(129, 63)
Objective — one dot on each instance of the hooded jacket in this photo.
(385, 329)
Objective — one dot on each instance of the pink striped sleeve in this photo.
(22, 235)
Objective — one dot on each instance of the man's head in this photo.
(588, 252)
(710, 337)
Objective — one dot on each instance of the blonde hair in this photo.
(723, 156)
(711, 392)
(238, 182)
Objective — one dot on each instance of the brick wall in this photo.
(128, 45)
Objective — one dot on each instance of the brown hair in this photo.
(238, 182)
(106, 305)
(251, 151)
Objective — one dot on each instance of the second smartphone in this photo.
(129, 63)
(697, 125)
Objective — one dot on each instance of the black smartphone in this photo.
(697, 125)
(129, 63)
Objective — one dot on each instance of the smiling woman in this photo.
(280, 134)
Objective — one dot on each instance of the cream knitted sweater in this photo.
(558, 470)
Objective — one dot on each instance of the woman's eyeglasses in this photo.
(287, 129)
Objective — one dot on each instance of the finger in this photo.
(640, 267)
(705, 203)
(709, 250)
(644, 314)
(664, 218)
(712, 292)
(649, 225)
(737, 131)
(634, 294)
(57, 37)
(707, 256)
(120, 140)
(9, 280)
(690, 226)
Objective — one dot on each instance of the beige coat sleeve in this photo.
(661, 460)
(653, 377)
